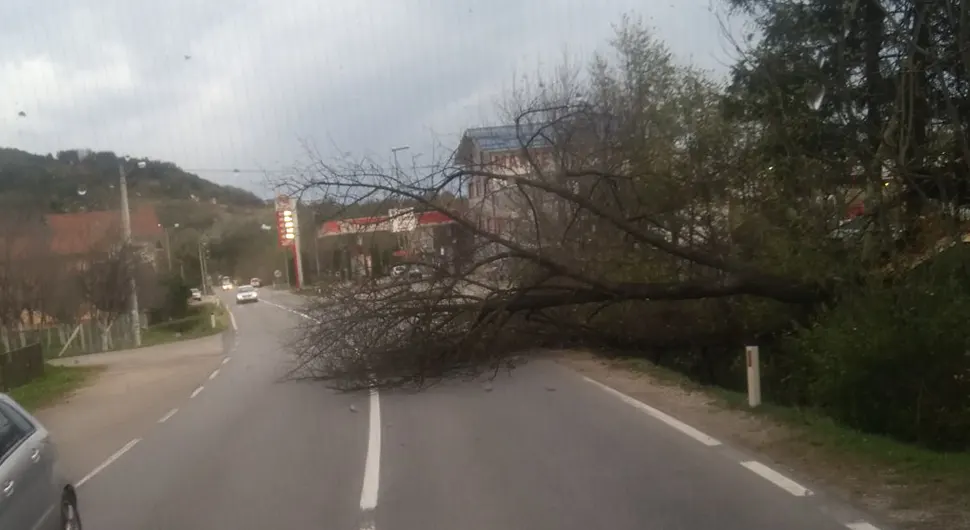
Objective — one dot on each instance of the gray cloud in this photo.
(363, 75)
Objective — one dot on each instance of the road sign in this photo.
(285, 202)
(277, 273)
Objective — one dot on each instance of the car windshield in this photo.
(245, 289)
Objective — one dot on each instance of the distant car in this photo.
(255, 282)
(196, 295)
(399, 272)
(246, 294)
(419, 273)
(34, 493)
(226, 285)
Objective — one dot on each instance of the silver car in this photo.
(34, 495)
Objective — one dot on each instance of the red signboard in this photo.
(378, 224)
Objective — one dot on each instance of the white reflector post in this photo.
(754, 376)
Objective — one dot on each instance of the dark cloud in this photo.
(363, 75)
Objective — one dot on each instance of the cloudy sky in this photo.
(217, 84)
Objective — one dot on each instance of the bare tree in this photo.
(104, 279)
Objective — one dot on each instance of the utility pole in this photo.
(168, 250)
(203, 268)
(316, 242)
(168, 247)
(297, 257)
(126, 234)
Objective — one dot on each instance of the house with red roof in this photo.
(84, 233)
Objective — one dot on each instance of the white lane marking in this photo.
(372, 463)
(224, 361)
(232, 319)
(111, 459)
(196, 392)
(167, 416)
(777, 478)
(669, 420)
(294, 311)
(213, 374)
(861, 525)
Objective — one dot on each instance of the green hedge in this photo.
(894, 359)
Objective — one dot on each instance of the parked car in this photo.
(246, 294)
(196, 294)
(34, 492)
(420, 272)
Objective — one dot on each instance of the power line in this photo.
(228, 170)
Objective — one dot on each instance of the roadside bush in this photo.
(175, 302)
(893, 359)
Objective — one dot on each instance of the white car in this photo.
(196, 295)
(246, 294)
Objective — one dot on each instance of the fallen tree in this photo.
(634, 213)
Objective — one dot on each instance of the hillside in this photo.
(67, 182)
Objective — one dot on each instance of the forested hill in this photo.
(77, 180)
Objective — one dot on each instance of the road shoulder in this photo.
(905, 486)
(132, 390)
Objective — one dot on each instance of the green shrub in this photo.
(174, 303)
(893, 358)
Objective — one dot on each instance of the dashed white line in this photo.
(196, 392)
(372, 462)
(226, 360)
(669, 420)
(232, 319)
(167, 416)
(777, 479)
(111, 459)
(213, 374)
(861, 525)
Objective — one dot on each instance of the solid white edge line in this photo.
(196, 392)
(777, 478)
(669, 420)
(232, 319)
(111, 459)
(294, 311)
(213, 374)
(372, 462)
(861, 525)
(168, 415)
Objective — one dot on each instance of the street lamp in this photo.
(168, 246)
(394, 151)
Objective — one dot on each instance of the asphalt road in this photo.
(542, 449)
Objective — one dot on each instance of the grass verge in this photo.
(55, 385)
(927, 488)
(197, 324)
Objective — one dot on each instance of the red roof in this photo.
(78, 233)
(434, 218)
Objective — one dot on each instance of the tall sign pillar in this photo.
(288, 230)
